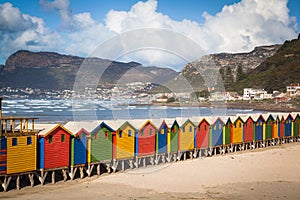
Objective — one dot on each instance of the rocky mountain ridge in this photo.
(50, 70)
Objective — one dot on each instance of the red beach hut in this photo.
(202, 134)
(249, 129)
(54, 146)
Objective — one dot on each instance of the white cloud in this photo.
(244, 25)
(62, 6)
(237, 27)
(21, 31)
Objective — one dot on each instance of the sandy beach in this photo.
(271, 173)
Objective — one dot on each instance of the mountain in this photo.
(219, 70)
(50, 70)
(277, 71)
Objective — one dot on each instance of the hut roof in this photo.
(46, 129)
(75, 127)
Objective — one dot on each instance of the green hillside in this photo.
(279, 70)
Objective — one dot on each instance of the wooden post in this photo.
(81, 172)
(144, 162)
(108, 168)
(53, 177)
(131, 164)
(21, 126)
(163, 158)
(136, 162)
(115, 165)
(18, 183)
(71, 173)
(98, 169)
(5, 183)
(30, 176)
(64, 171)
(32, 125)
(152, 160)
(123, 165)
(42, 178)
(26, 125)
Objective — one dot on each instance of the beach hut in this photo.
(248, 130)
(145, 138)
(123, 140)
(202, 134)
(54, 146)
(269, 125)
(259, 128)
(297, 126)
(161, 138)
(173, 134)
(186, 135)
(281, 127)
(18, 149)
(237, 131)
(228, 132)
(145, 141)
(18, 145)
(216, 135)
(79, 146)
(186, 138)
(3, 154)
(288, 126)
(172, 139)
(101, 148)
(54, 150)
(276, 127)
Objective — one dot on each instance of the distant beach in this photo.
(270, 173)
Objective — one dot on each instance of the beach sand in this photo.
(271, 173)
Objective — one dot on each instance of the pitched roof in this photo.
(46, 129)
(75, 126)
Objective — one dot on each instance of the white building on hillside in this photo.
(293, 89)
(255, 94)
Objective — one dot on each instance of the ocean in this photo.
(62, 111)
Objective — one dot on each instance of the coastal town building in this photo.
(255, 94)
(224, 96)
(293, 90)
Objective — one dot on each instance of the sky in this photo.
(83, 28)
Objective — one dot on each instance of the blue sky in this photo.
(78, 27)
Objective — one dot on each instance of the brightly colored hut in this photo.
(18, 145)
(173, 135)
(216, 135)
(79, 142)
(101, 148)
(281, 127)
(259, 128)
(297, 126)
(161, 138)
(123, 139)
(276, 126)
(228, 132)
(145, 138)
(269, 125)
(202, 134)
(248, 130)
(288, 126)
(186, 135)
(54, 146)
(237, 131)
